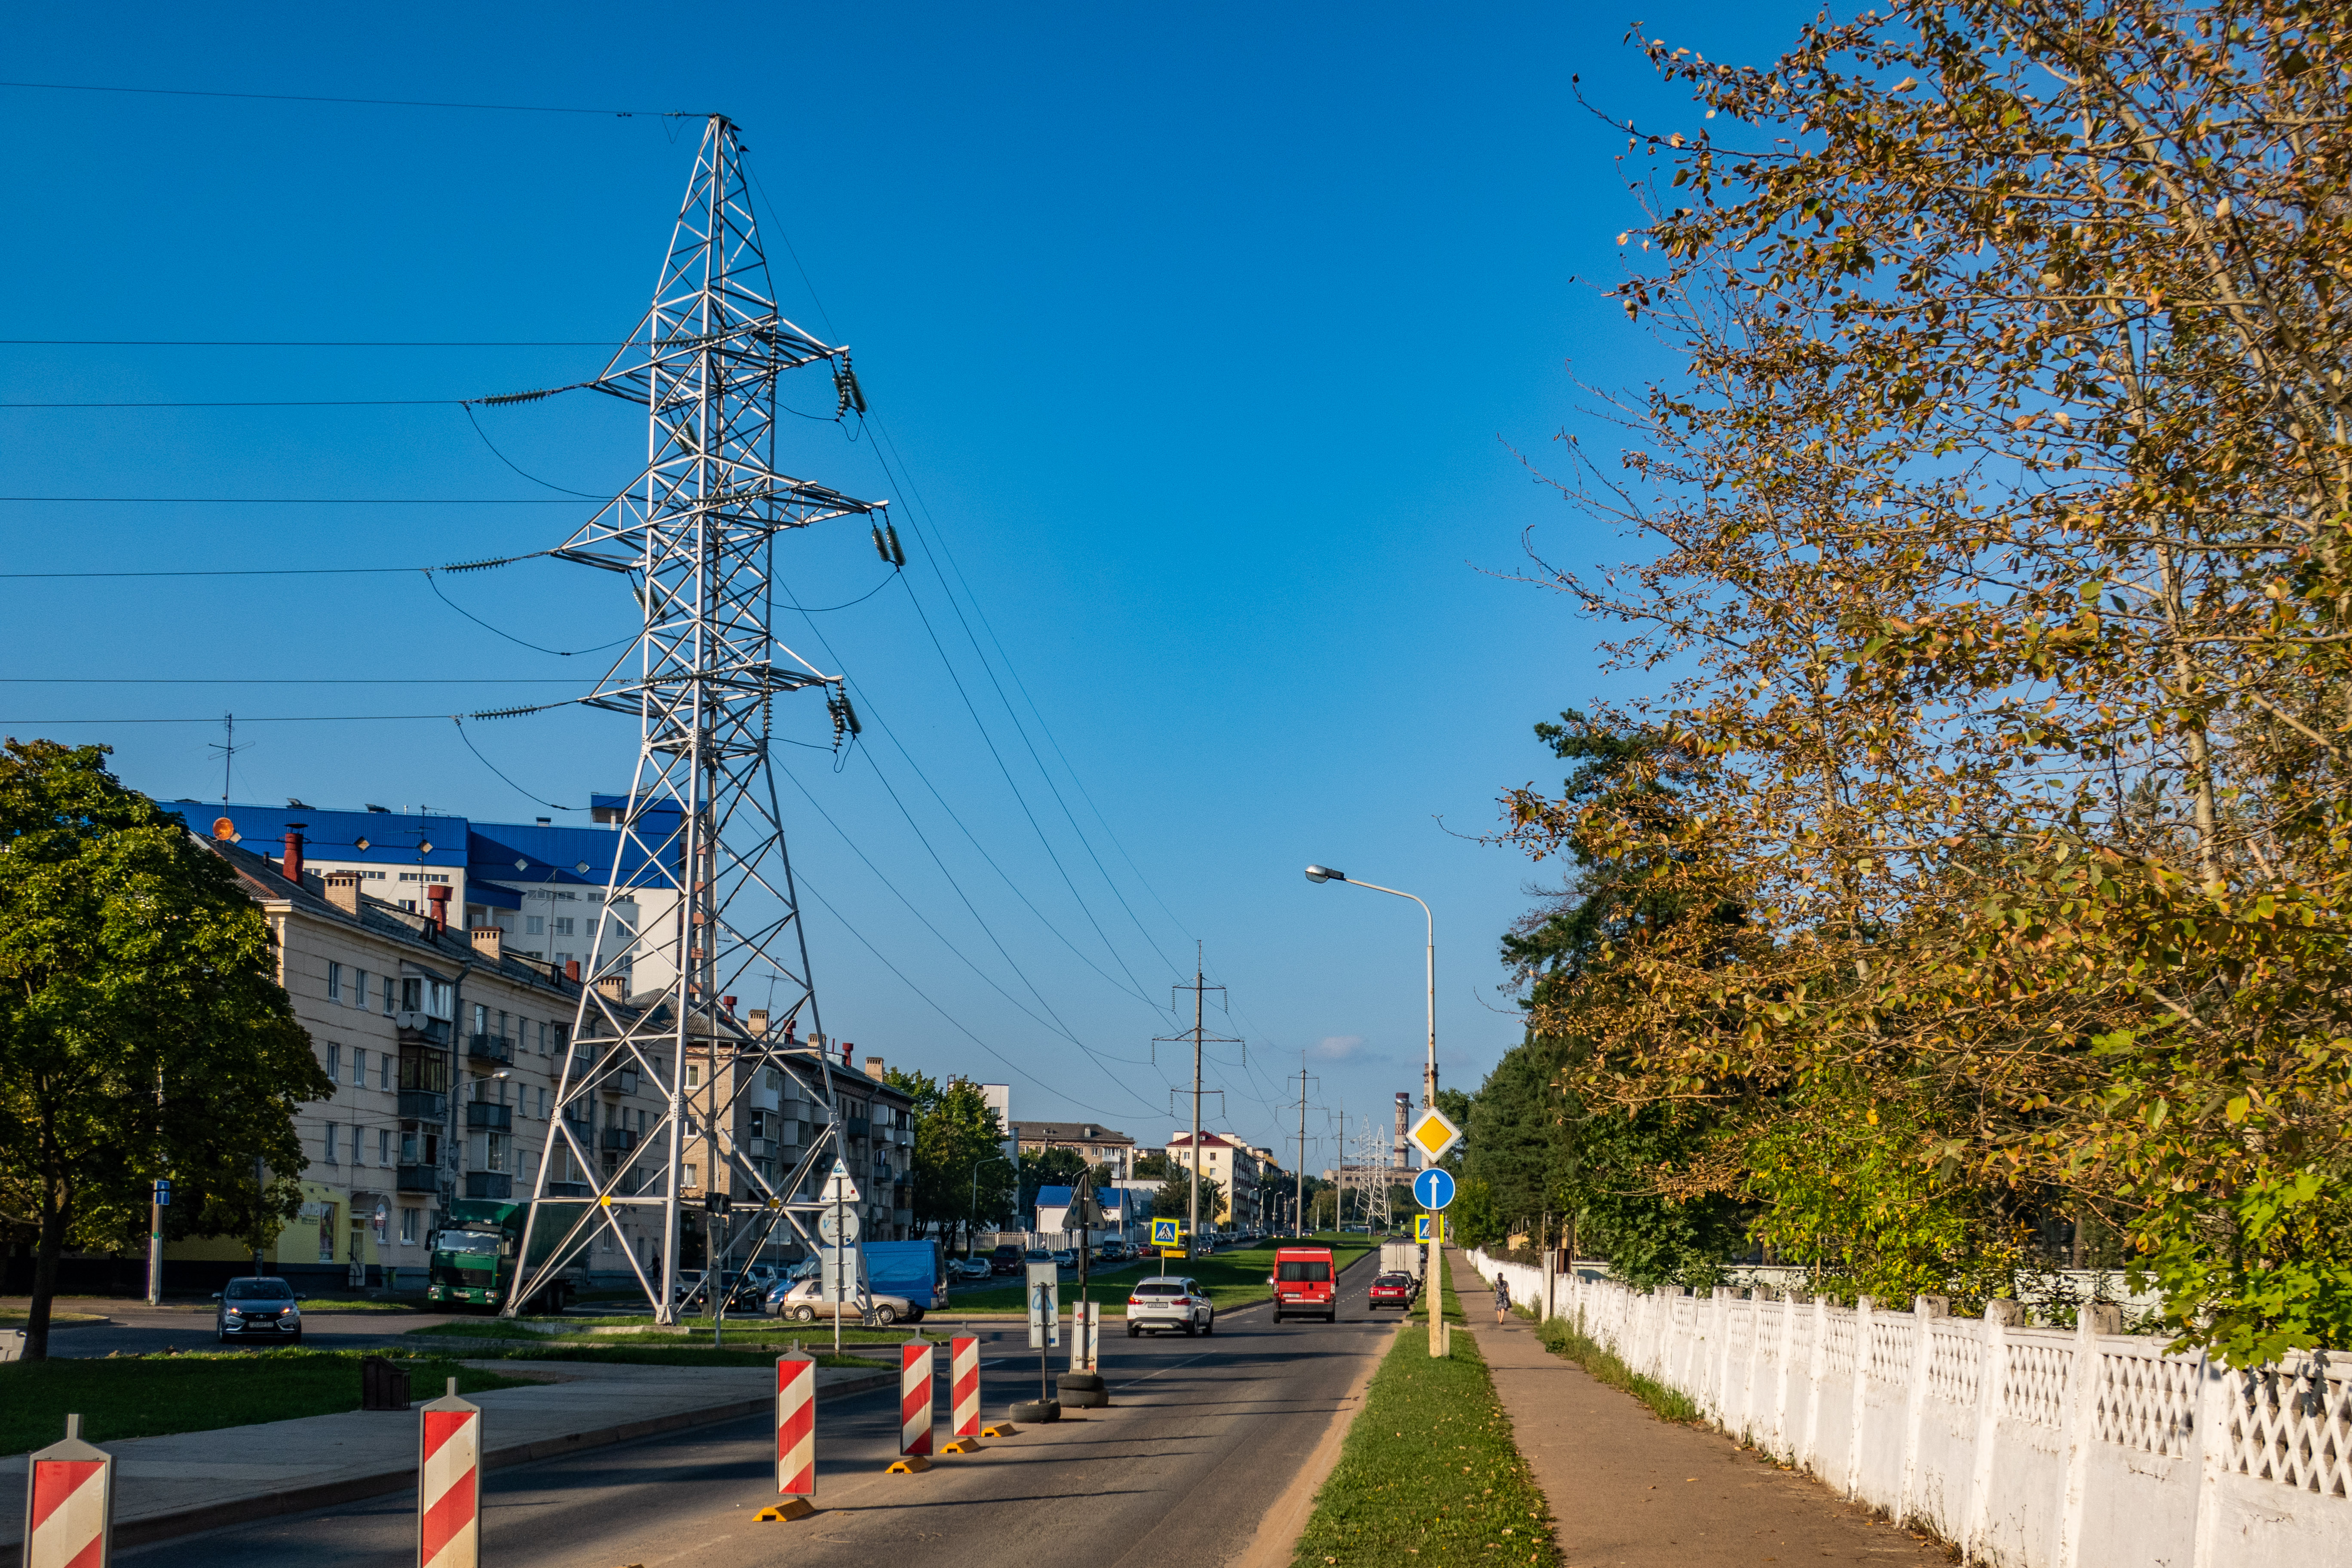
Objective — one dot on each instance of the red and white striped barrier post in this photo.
(795, 1437)
(70, 1507)
(449, 1483)
(915, 1398)
(963, 1384)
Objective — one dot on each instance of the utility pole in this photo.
(1199, 1037)
(1298, 1212)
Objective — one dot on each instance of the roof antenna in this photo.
(227, 749)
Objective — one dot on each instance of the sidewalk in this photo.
(172, 1486)
(1629, 1489)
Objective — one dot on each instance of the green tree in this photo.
(1173, 1200)
(130, 959)
(959, 1173)
(1041, 1168)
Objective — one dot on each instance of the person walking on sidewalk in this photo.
(1502, 1299)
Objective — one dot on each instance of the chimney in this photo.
(874, 1066)
(613, 988)
(728, 1002)
(759, 1023)
(440, 899)
(344, 890)
(489, 941)
(293, 867)
(571, 970)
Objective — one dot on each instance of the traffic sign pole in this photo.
(1435, 1135)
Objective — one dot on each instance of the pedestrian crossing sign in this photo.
(1429, 1227)
(1167, 1233)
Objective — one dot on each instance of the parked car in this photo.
(1064, 1258)
(255, 1306)
(1305, 1284)
(805, 1301)
(689, 1282)
(744, 1293)
(1005, 1259)
(1036, 1255)
(1168, 1301)
(1113, 1251)
(971, 1269)
(1393, 1290)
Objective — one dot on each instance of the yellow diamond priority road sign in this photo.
(1434, 1134)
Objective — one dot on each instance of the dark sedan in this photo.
(256, 1308)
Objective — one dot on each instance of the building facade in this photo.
(1228, 1164)
(1098, 1146)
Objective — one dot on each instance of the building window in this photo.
(690, 1180)
(384, 1145)
(332, 1129)
(542, 1039)
(359, 1146)
(693, 1074)
(358, 990)
(334, 983)
(481, 1019)
(384, 1069)
(564, 925)
(359, 1066)
(334, 1069)
(408, 1218)
(543, 1105)
(390, 997)
(534, 925)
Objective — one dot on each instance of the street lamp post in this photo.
(1434, 1288)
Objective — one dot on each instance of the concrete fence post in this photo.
(1924, 1311)
(1862, 1305)
(1992, 1395)
(2079, 1436)
(1808, 1455)
(2217, 1401)
(1719, 1358)
(1751, 1334)
(1781, 1446)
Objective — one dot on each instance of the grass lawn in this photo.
(146, 1396)
(1429, 1471)
(56, 1320)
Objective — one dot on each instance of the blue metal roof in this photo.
(1053, 1197)
(386, 838)
(562, 857)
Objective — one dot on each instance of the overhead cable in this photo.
(367, 102)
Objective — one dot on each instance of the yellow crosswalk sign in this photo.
(1167, 1233)
(1429, 1227)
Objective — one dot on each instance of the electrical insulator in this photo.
(881, 546)
(896, 556)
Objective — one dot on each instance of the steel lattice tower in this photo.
(701, 849)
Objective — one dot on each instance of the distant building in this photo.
(1097, 1145)
(1232, 1166)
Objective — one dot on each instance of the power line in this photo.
(368, 102)
(268, 403)
(286, 680)
(312, 342)
(298, 500)
(272, 719)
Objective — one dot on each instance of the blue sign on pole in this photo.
(1434, 1188)
(164, 1194)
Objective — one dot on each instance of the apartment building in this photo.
(445, 1049)
(1098, 1145)
(1232, 1166)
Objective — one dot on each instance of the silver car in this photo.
(1169, 1301)
(806, 1302)
(257, 1307)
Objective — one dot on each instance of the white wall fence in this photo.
(2029, 1447)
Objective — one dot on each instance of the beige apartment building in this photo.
(1098, 1145)
(1232, 1166)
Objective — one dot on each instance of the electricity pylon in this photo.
(701, 852)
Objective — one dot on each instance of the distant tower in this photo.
(702, 836)
(1403, 1120)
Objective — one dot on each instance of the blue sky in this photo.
(1210, 339)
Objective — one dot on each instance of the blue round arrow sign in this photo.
(1434, 1188)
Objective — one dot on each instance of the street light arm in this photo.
(1400, 892)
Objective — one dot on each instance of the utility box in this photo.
(384, 1385)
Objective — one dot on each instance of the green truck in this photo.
(474, 1255)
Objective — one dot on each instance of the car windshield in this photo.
(1159, 1288)
(470, 1241)
(259, 1290)
(1309, 1273)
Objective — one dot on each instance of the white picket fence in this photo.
(2029, 1447)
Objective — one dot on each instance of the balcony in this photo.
(488, 1185)
(760, 1148)
(497, 1118)
(622, 1082)
(856, 1126)
(417, 1179)
(570, 1190)
(582, 1064)
(621, 1137)
(423, 1105)
(415, 1027)
(489, 1049)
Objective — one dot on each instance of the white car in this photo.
(806, 1302)
(1168, 1301)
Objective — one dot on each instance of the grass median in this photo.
(1429, 1475)
(148, 1396)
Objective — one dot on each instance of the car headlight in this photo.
(234, 1311)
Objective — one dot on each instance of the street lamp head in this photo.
(1325, 874)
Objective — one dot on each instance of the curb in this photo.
(326, 1494)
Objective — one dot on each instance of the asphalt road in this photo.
(1203, 1436)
